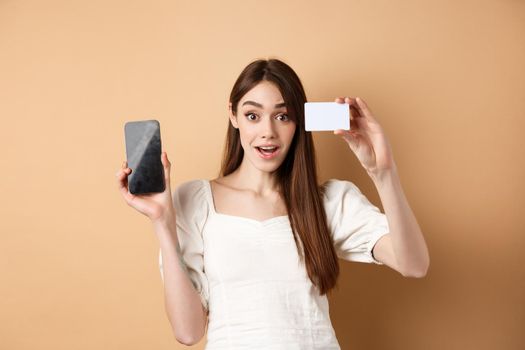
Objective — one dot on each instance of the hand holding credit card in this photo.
(321, 116)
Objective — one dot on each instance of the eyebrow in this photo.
(253, 103)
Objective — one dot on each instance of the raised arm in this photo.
(182, 302)
(404, 248)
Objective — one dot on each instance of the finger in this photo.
(167, 167)
(124, 172)
(364, 110)
(343, 132)
(354, 107)
(351, 137)
(125, 168)
(122, 179)
(353, 124)
(354, 111)
(123, 188)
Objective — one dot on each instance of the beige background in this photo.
(446, 79)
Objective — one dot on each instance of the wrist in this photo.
(166, 232)
(383, 175)
(165, 220)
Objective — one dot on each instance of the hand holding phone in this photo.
(145, 196)
(143, 148)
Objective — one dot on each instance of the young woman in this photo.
(254, 252)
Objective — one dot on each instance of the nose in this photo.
(268, 128)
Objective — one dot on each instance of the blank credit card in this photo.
(321, 116)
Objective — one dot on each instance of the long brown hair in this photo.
(297, 175)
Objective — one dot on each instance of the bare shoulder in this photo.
(226, 196)
(223, 186)
(223, 181)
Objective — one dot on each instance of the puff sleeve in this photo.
(191, 213)
(355, 223)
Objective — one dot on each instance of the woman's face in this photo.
(262, 120)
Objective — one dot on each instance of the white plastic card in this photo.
(321, 116)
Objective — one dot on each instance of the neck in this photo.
(250, 178)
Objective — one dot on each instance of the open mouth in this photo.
(267, 152)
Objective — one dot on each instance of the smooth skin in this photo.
(404, 248)
(261, 119)
(250, 191)
(183, 306)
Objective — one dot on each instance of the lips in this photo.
(267, 145)
(266, 154)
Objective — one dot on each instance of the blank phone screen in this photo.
(143, 152)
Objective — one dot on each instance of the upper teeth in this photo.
(268, 148)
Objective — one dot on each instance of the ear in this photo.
(233, 117)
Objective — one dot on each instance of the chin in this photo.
(269, 168)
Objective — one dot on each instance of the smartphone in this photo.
(143, 152)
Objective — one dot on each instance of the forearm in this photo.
(408, 242)
(182, 301)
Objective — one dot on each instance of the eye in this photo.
(249, 114)
(285, 116)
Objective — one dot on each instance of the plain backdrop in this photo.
(446, 80)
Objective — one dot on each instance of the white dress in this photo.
(249, 275)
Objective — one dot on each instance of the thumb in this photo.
(350, 137)
(167, 167)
